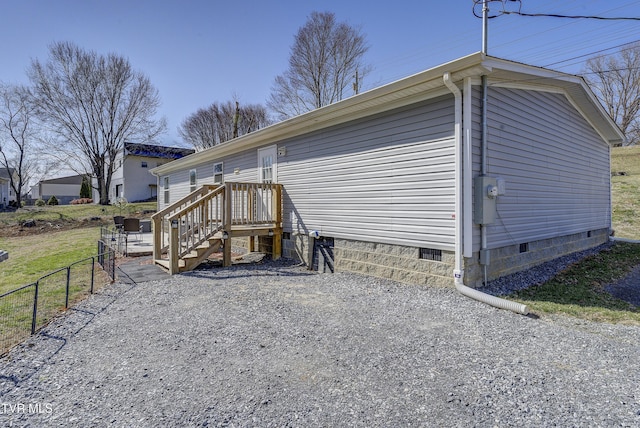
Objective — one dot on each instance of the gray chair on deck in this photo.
(118, 220)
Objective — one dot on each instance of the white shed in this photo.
(480, 165)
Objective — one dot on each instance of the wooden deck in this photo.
(187, 232)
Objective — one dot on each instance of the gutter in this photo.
(458, 271)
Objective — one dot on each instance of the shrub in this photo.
(81, 201)
(85, 189)
(52, 200)
(40, 203)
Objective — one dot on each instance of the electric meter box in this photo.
(485, 190)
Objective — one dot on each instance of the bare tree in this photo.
(93, 104)
(615, 80)
(18, 137)
(218, 123)
(325, 65)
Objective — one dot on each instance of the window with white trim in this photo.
(193, 180)
(218, 173)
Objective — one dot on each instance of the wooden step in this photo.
(165, 263)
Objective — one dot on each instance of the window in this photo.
(193, 181)
(218, 175)
(144, 164)
(166, 190)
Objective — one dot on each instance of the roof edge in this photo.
(420, 86)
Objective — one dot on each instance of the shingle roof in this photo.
(154, 151)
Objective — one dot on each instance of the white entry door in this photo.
(267, 173)
(268, 165)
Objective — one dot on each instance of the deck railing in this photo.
(199, 216)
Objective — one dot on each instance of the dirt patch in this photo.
(45, 226)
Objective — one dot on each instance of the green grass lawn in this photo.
(579, 290)
(31, 257)
(626, 191)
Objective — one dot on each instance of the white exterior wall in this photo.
(4, 193)
(137, 180)
(555, 165)
(58, 190)
(388, 178)
(117, 178)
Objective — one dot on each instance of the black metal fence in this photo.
(115, 239)
(25, 310)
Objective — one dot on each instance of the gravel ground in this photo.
(276, 345)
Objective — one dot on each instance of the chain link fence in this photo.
(27, 309)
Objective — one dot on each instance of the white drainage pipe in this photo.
(459, 271)
(492, 300)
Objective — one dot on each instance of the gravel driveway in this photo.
(276, 345)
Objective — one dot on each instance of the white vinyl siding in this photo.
(386, 179)
(556, 168)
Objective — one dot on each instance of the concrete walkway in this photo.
(139, 270)
(140, 244)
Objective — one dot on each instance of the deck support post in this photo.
(226, 203)
(276, 247)
(174, 242)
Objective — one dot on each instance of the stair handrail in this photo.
(194, 224)
(197, 217)
(159, 219)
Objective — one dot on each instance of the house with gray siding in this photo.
(468, 171)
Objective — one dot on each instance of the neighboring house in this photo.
(65, 189)
(7, 195)
(132, 179)
(416, 181)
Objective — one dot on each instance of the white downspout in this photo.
(467, 174)
(458, 270)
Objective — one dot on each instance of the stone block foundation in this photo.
(393, 262)
(507, 260)
(403, 264)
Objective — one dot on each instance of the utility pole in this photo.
(485, 25)
(236, 118)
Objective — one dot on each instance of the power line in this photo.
(505, 11)
(591, 53)
(553, 15)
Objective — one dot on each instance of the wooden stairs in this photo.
(189, 231)
(196, 256)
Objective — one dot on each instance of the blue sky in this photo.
(198, 52)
